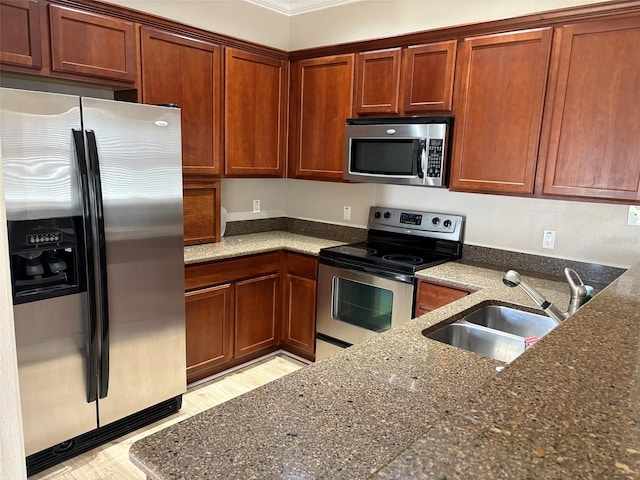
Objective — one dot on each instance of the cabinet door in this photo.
(201, 207)
(378, 81)
(90, 44)
(257, 310)
(431, 296)
(20, 35)
(322, 98)
(298, 331)
(427, 72)
(594, 117)
(500, 96)
(186, 72)
(209, 331)
(255, 102)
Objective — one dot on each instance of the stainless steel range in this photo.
(368, 287)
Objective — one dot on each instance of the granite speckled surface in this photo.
(235, 246)
(403, 406)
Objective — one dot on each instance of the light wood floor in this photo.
(111, 460)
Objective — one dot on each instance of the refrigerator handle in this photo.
(102, 263)
(92, 370)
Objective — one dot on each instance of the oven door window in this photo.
(362, 305)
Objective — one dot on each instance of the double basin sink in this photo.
(496, 331)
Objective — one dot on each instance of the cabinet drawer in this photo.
(431, 296)
(224, 271)
(302, 265)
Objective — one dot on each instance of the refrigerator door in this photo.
(40, 181)
(38, 163)
(140, 178)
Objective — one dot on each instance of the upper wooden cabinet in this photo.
(255, 101)
(94, 45)
(321, 101)
(500, 93)
(406, 81)
(378, 81)
(594, 115)
(427, 79)
(186, 72)
(20, 33)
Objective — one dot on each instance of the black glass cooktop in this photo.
(390, 256)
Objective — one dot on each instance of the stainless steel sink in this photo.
(495, 331)
(483, 341)
(511, 320)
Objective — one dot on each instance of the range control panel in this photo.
(412, 222)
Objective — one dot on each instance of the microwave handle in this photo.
(422, 160)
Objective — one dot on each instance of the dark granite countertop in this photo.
(230, 247)
(403, 406)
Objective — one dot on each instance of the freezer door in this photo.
(38, 165)
(139, 166)
(52, 371)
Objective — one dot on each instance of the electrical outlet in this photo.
(346, 214)
(549, 239)
(634, 215)
(256, 206)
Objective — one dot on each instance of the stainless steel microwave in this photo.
(398, 150)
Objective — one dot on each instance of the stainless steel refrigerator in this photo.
(93, 192)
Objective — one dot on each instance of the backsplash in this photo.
(525, 263)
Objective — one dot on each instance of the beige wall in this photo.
(235, 18)
(585, 231)
(369, 19)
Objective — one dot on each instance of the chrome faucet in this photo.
(580, 293)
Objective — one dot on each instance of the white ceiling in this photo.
(294, 7)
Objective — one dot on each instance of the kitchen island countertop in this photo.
(403, 406)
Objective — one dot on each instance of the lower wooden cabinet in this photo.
(208, 313)
(242, 308)
(299, 304)
(257, 311)
(430, 296)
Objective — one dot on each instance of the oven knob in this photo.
(377, 214)
(447, 223)
(387, 214)
(435, 221)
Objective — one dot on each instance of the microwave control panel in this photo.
(435, 154)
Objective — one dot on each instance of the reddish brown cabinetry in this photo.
(236, 306)
(500, 93)
(257, 314)
(208, 313)
(20, 33)
(186, 72)
(378, 81)
(299, 305)
(201, 207)
(594, 118)
(430, 296)
(428, 73)
(321, 101)
(255, 101)
(90, 44)
(410, 80)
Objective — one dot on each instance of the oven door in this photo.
(353, 306)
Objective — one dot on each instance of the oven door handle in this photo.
(378, 272)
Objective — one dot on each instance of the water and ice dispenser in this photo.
(46, 258)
